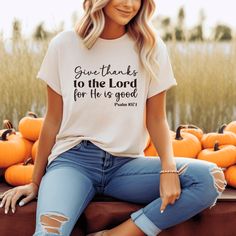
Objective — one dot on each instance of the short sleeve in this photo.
(165, 78)
(48, 71)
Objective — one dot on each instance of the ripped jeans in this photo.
(75, 176)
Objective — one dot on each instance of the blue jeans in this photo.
(74, 177)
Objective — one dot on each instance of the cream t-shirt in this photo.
(104, 92)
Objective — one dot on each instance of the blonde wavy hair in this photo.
(92, 23)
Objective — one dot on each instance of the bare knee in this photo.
(219, 182)
(219, 179)
(52, 222)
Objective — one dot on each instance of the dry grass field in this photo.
(205, 72)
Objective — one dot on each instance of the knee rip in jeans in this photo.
(51, 222)
(219, 181)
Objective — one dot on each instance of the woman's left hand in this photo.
(170, 189)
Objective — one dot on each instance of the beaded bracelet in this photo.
(179, 172)
(169, 171)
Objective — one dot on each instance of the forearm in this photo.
(46, 142)
(160, 135)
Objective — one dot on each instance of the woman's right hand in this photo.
(11, 196)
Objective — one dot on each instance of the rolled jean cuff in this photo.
(141, 220)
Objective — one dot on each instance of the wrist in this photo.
(35, 184)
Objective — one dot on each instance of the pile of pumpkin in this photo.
(217, 147)
(18, 148)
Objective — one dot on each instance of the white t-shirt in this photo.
(104, 92)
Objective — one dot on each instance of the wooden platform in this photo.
(228, 195)
(104, 212)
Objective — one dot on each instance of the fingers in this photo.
(9, 200)
(164, 203)
(168, 200)
(174, 198)
(26, 199)
(1, 196)
(10, 197)
(177, 196)
(6, 201)
(14, 200)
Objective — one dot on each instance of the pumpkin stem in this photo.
(31, 113)
(7, 124)
(216, 146)
(27, 161)
(3, 137)
(178, 135)
(221, 129)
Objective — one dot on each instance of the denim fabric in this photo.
(75, 176)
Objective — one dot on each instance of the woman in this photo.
(106, 85)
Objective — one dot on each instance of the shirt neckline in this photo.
(121, 38)
(102, 41)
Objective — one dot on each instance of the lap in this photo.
(138, 180)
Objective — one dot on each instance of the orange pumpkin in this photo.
(231, 127)
(7, 125)
(224, 155)
(28, 147)
(230, 176)
(150, 150)
(30, 126)
(223, 137)
(192, 129)
(185, 144)
(28, 144)
(12, 149)
(19, 174)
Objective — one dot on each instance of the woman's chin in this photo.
(123, 21)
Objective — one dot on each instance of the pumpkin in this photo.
(34, 150)
(20, 174)
(28, 144)
(150, 150)
(223, 137)
(230, 176)
(224, 155)
(231, 127)
(185, 144)
(192, 129)
(7, 125)
(30, 126)
(12, 149)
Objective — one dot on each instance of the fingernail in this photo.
(13, 211)
(6, 211)
(1, 205)
(162, 211)
(21, 203)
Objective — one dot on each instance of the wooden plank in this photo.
(228, 195)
